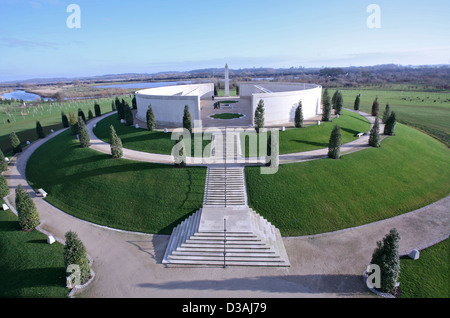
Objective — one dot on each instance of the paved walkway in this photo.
(327, 265)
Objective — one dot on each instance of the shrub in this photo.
(128, 115)
(374, 139)
(75, 254)
(389, 127)
(85, 140)
(187, 121)
(116, 144)
(3, 163)
(133, 102)
(387, 113)
(4, 189)
(65, 120)
(375, 107)
(357, 102)
(387, 258)
(326, 116)
(259, 116)
(90, 114)
(299, 115)
(26, 210)
(334, 146)
(151, 124)
(15, 142)
(73, 124)
(81, 114)
(39, 130)
(339, 103)
(97, 110)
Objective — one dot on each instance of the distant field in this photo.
(427, 111)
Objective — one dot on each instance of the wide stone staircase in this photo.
(237, 237)
(226, 231)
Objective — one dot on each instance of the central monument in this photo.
(227, 81)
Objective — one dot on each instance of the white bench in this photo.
(42, 192)
(360, 134)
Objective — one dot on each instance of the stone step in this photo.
(228, 263)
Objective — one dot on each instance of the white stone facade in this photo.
(168, 103)
(281, 100)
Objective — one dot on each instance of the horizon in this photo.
(117, 38)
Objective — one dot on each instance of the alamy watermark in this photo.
(74, 279)
(74, 19)
(374, 19)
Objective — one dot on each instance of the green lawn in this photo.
(123, 194)
(316, 137)
(409, 171)
(427, 111)
(29, 267)
(49, 115)
(427, 277)
(140, 139)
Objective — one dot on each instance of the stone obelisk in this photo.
(227, 82)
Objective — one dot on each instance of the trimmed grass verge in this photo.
(29, 267)
(119, 193)
(428, 276)
(409, 171)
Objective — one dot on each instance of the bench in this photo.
(360, 134)
(42, 192)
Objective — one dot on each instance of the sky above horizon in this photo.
(178, 35)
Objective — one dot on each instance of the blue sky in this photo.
(178, 35)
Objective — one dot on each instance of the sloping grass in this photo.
(29, 267)
(316, 136)
(409, 171)
(140, 139)
(123, 194)
(427, 277)
(427, 111)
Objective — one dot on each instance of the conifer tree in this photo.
(386, 256)
(339, 103)
(129, 120)
(334, 146)
(299, 115)
(90, 114)
(65, 120)
(357, 102)
(26, 210)
(113, 106)
(15, 142)
(374, 138)
(3, 162)
(326, 116)
(151, 124)
(85, 140)
(259, 116)
(116, 144)
(81, 114)
(4, 189)
(133, 102)
(97, 110)
(39, 130)
(375, 107)
(187, 121)
(389, 127)
(73, 124)
(75, 254)
(387, 113)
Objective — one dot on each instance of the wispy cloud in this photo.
(18, 43)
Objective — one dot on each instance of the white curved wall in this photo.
(281, 100)
(168, 103)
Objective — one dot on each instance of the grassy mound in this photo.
(409, 171)
(119, 193)
(29, 266)
(140, 139)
